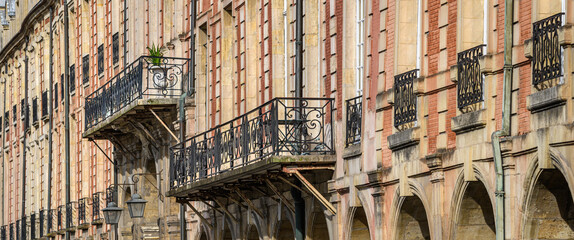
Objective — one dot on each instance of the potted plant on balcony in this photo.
(159, 72)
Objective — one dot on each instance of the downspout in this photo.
(25, 108)
(184, 95)
(285, 43)
(505, 131)
(4, 82)
(50, 110)
(125, 32)
(67, 107)
(295, 193)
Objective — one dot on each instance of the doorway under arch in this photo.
(412, 223)
(475, 214)
(319, 230)
(252, 233)
(360, 226)
(550, 213)
(284, 230)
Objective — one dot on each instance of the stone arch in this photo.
(319, 229)
(459, 194)
(547, 203)
(472, 199)
(284, 229)
(358, 225)
(227, 231)
(417, 201)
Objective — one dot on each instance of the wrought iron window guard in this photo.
(96, 208)
(3, 232)
(11, 232)
(111, 194)
(354, 120)
(33, 226)
(405, 103)
(70, 224)
(82, 220)
(146, 77)
(470, 79)
(546, 50)
(51, 222)
(18, 232)
(61, 218)
(282, 126)
(42, 221)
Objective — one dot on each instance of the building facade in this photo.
(282, 119)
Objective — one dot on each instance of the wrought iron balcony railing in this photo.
(18, 232)
(546, 50)
(11, 232)
(51, 221)
(147, 77)
(405, 98)
(290, 126)
(96, 207)
(61, 218)
(470, 80)
(111, 194)
(3, 232)
(354, 120)
(70, 215)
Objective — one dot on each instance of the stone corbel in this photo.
(454, 73)
(486, 63)
(565, 35)
(403, 139)
(434, 160)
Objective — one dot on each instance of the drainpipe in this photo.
(184, 95)
(505, 131)
(67, 107)
(125, 32)
(299, 201)
(25, 107)
(4, 82)
(50, 110)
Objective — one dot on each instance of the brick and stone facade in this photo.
(430, 174)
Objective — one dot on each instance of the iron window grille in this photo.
(295, 126)
(3, 232)
(145, 77)
(546, 50)
(82, 211)
(73, 78)
(60, 217)
(111, 193)
(70, 215)
(354, 120)
(44, 104)
(41, 222)
(116, 48)
(33, 226)
(101, 59)
(56, 97)
(96, 208)
(7, 120)
(86, 69)
(405, 98)
(470, 79)
(35, 110)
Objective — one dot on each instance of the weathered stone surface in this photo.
(404, 139)
(468, 121)
(545, 99)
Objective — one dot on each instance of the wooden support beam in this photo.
(249, 203)
(200, 216)
(288, 204)
(285, 180)
(312, 189)
(164, 125)
(225, 210)
(211, 206)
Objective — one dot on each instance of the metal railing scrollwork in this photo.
(405, 104)
(354, 120)
(282, 126)
(470, 80)
(546, 50)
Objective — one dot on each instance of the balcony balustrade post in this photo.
(217, 157)
(274, 126)
(245, 139)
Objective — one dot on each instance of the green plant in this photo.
(155, 53)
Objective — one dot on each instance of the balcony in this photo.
(97, 218)
(354, 120)
(146, 83)
(405, 102)
(82, 212)
(278, 135)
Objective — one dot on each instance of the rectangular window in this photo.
(14, 114)
(11, 8)
(62, 86)
(44, 104)
(73, 78)
(56, 97)
(101, 59)
(7, 120)
(116, 48)
(22, 108)
(34, 110)
(86, 69)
